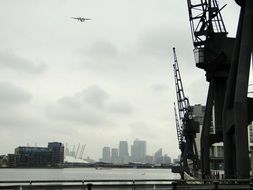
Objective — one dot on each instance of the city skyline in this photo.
(100, 81)
(132, 153)
(75, 150)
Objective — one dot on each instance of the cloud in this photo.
(103, 49)
(12, 94)
(120, 107)
(153, 43)
(19, 118)
(103, 56)
(92, 106)
(17, 63)
(160, 87)
(143, 130)
(197, 85)
(17, 111)
(95, 96)
(77, 115)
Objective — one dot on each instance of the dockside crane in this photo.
(225, 60)
(186, 126)
(212, 52)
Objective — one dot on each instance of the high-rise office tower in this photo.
(115, 155)
(123, 149)
(158, 157)
(166, 159)
(123, 152)
(106, 157)
(138, 151)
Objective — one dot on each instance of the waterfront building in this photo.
(57, 153)
(138, 151)
(198, 112)
(149, 159)
(32, 157)
(51, 156)
(115, 155)
(4, 161)
(158, 157)
(216, 150)
(166, 159)
(11, 160)
(158, 153)
(123, 152)
(176, 161)
(106, 155)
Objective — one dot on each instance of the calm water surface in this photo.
(85, 173)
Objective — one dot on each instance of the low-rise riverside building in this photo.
(51, 156)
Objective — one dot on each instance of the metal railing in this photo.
(128, 184)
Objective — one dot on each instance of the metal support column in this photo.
(240, 103)
(205, 135)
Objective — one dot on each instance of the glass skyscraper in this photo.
(123, 152)
(138, 151)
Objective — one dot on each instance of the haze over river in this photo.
(85, 174)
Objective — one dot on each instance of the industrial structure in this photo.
(186, 126)
(226, 62)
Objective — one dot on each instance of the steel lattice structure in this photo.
(186, 126)
(205, 20)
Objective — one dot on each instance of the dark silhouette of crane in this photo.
(225, 61)
(205, 20)
(238, 108)
(186, 126)
(213, 50)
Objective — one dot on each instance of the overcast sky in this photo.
(98, 82)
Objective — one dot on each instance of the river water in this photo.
(85, 174)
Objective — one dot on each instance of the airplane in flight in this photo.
(81, 19)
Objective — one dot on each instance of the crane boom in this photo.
(184, 107)
(186, 126)
(179, 129)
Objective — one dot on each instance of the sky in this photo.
(97, 82)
